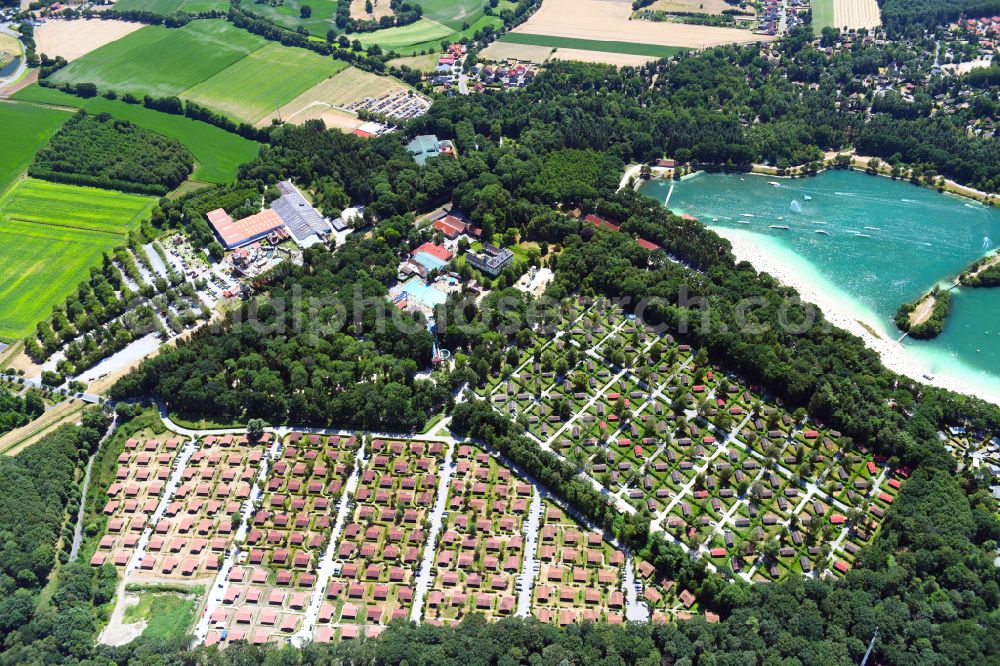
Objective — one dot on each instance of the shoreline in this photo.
(859, 163)
(837, 310)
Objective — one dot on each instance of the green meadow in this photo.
(172, 6)
(167, 614)
(162, 61)
(453, 13)
(50, 236)
(276, 74)
(822, 14)
(25, 129)
(630, 48)
(218, 153)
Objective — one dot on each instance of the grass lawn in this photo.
(822, 14)
(26, 128)
(51, 235)
(163, 61)
(630, 48)
(422, 63)
(168, 614)
(218, 152)
(275, 74)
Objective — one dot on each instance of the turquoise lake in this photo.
(886, 242)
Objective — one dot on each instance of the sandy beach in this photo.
(839, 309)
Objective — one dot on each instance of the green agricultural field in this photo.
(630, 48)
(26, 128)
(822, 14)
(398, 39)
(50, 236)
(453, 13)
(162, 61)
(172, 6)
(275, 73)
(287, 15)
(218, 153)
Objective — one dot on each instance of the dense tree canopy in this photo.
(104, 152)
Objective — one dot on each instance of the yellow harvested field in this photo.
(499, 51)
(609, 20)
(856, 14)
(422, 63)
(345, 87)
(380, 8)
(72, 39)
(617, 59)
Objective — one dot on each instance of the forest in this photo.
(911, 17)
(36, 488)
(16, 410)
(114, 154)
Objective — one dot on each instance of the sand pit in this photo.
(855, 14)
(72, 39)
(608, 20)
(498, 51)
(618, 59)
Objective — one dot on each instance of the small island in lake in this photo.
(983, 273)
(925, 318)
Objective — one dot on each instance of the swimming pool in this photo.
(422, 293)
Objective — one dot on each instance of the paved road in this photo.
(436, 518)
(326, 567)
(78, 530)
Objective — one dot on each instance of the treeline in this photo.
(937, 145)
(373, 59)
(172, 105)
(36, 488)
(16, 411)
(979, 276)
(912, 17)
(404, 13)
(101, 151)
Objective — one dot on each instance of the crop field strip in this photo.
(629, 48)
(822, 14)
(51, 235)
(276, 73)
(238, 74)
(26, 129)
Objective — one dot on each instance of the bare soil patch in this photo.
(72, 39)
(498, 51)
(380, 8)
